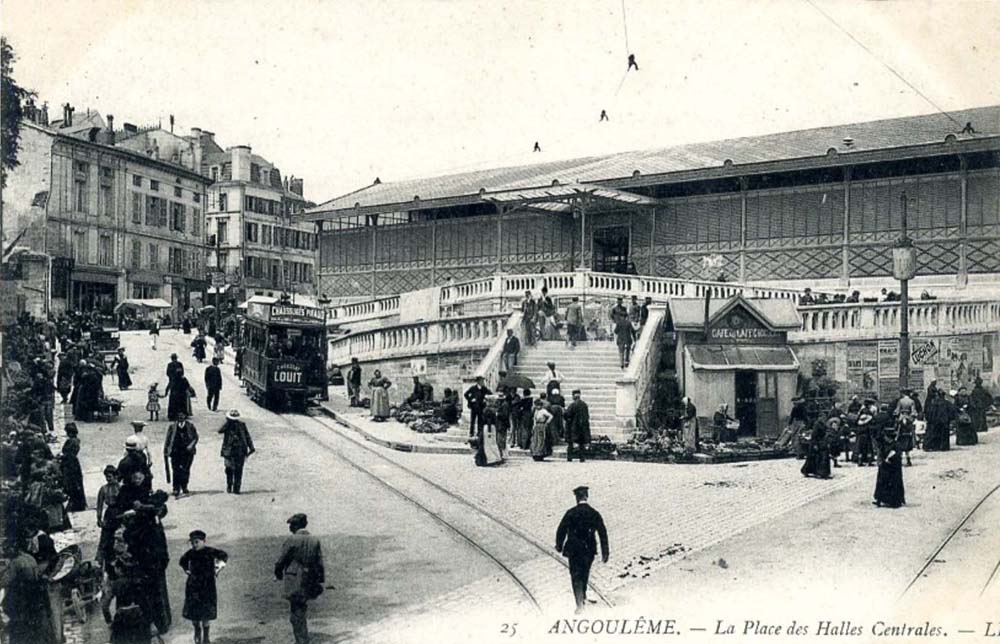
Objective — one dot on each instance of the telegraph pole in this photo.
(218, 269)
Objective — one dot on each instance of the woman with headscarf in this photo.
(178, 393)
(380, 396)
(72, 473)
(120, 365)
(557, 407)
(818, 457)
(539, 433)
(889, 490)
(690, 420)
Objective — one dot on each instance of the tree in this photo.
(11, 103)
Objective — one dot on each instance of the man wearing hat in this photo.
(179, 449)
(141, 440)
(575, 540)
(475, 396)
(300, 566)
(213, 384)
(134, 461)
(236, 447)
(354, 382)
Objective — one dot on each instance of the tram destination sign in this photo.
(296, 313)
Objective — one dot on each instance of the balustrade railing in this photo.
(821, 323)
(419, 338)
(633, 388)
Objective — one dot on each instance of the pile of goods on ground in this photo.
(601, 448)
(421, 418)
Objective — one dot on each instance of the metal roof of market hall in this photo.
(832, 145)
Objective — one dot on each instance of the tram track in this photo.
(541, 582)
(935, 561)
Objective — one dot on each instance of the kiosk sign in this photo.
(738, 327)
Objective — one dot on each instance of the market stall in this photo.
(735, 352)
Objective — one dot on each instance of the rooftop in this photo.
(844, 139)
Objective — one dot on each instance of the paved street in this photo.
(382, 553)
(725, 531)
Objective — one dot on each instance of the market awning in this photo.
(213, 290)
(721, 357)
(153, 303)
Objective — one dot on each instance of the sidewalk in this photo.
(397, 436)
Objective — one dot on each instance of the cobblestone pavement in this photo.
(710, 538)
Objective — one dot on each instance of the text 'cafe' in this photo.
(738, 356)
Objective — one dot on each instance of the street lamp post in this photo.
(904, 267)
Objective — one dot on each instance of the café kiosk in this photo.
(736, 352)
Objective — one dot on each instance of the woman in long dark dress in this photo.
(965, 432)
(131, 620)
(200, 595)
(889, 490)
(120, 365)
(818, 458)
(64, 376)
(938, 414)
(72, 473)
(178, 394)
(199, 347)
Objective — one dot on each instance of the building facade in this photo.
(117, 223)
(816, 207)
(252, 237)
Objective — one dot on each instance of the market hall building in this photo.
(819, 207)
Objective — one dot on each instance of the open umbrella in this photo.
(206, 309)
(516, 382)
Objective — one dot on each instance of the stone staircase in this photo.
(591, 367)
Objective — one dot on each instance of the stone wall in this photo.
(441, 370)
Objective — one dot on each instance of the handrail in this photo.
(633, 387)
(870, 320)
(417, 338)
(489, 368)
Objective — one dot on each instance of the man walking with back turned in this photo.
(575, 540)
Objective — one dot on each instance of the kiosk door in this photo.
(767, 404)
(746, 402)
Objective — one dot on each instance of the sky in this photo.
(339, 93)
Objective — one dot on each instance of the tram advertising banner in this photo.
(287, 374)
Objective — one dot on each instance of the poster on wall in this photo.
(888, 369)
(924, 352)
(962, 359)
(862, 369)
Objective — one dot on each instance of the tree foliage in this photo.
(12, 104)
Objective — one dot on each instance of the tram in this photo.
(284, 354)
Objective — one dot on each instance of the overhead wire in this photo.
(884, 63)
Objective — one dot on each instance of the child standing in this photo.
(153, 402)
(220, 348)
(200, 563)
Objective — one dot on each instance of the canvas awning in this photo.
(153, 303)
(721, 357)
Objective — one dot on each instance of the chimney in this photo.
(67, 115)
(295, 185)
(171, 123)
(111, 129)
(44, 118)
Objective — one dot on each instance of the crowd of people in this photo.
(883, 434)
(43, 485)
(808, 298)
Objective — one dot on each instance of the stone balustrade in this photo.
(419, 338)
(867, 321)
(633, 389)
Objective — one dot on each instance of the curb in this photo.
(418, 449)
(399, 447)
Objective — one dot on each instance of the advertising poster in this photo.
(961, 360)
(888, 369)
(862, 369)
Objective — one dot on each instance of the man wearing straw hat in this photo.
(236, 447)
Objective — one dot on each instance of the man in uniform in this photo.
(577, 418)
(575, 540)
(301, 568)
(475, 397)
